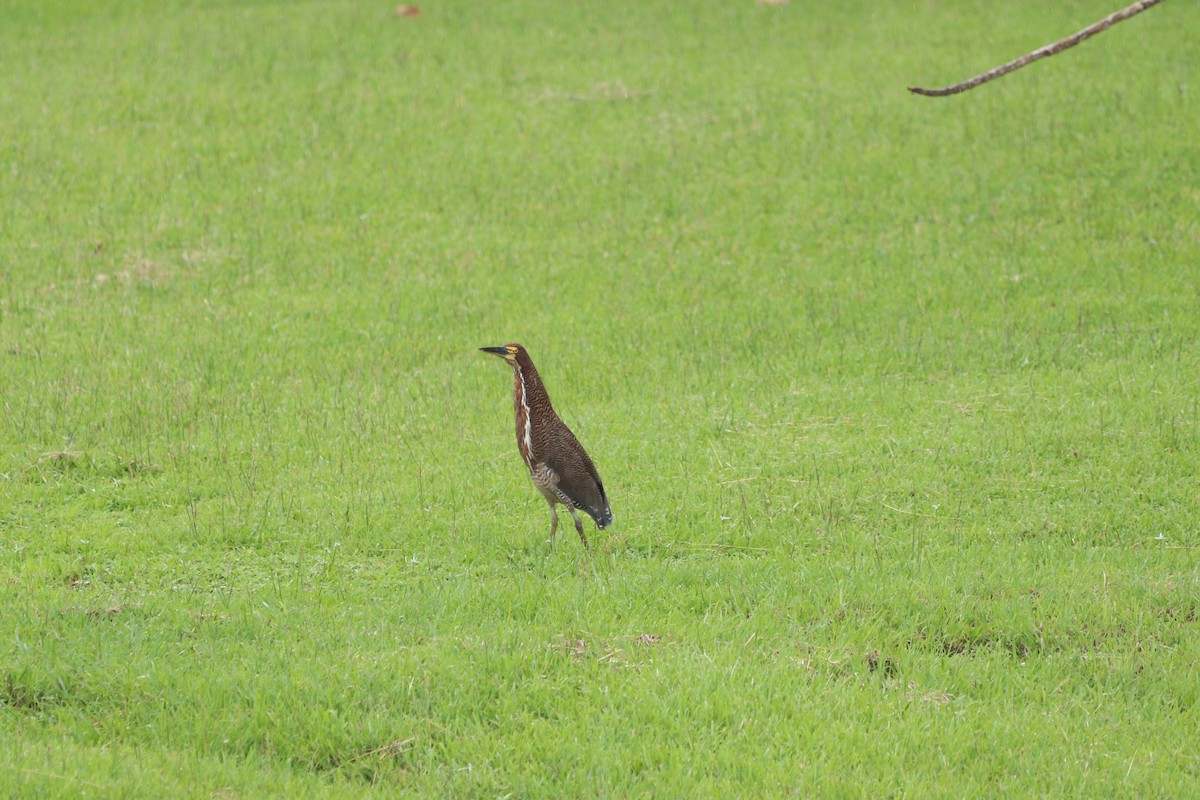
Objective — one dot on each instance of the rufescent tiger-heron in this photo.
(557, 462)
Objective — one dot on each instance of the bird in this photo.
(557, 462)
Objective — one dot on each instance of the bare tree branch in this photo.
(1040, 53)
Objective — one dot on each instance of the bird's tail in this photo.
(603, 517)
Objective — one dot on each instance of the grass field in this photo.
(896, 400)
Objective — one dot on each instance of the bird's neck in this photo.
(529, 400)
(528, 389)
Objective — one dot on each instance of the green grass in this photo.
(896, 400)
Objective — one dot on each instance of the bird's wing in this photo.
(578, 480)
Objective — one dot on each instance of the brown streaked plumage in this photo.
(557, 462)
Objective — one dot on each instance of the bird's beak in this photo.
(496, 351)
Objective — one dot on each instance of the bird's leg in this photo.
(553, 524)
(578, 526)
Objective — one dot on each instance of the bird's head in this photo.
(509, 352)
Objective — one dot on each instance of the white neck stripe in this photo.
(528, 427)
